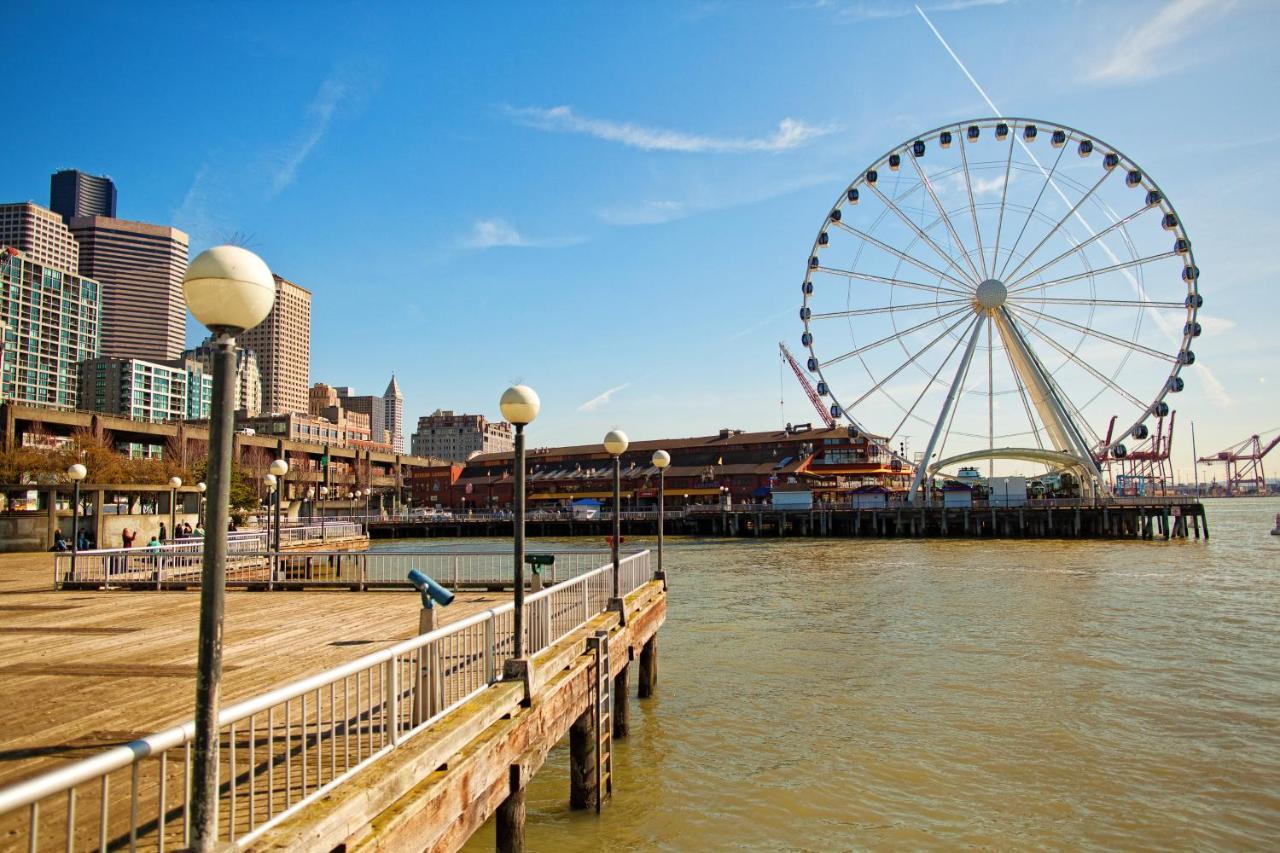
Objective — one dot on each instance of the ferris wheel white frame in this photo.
(977, 296)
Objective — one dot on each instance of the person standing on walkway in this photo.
(164, 533)
(127, 537)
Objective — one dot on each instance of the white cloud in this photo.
(1150, 50)
(658, 211)
(601, 400)
(645, 213)
(791, 133)
(860, 11)
(496, 232)
(340, 89)
(488, 233)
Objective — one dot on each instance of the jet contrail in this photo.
(1214, 387)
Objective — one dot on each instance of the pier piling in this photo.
(510, 819)
(620, 711)
(648, 667)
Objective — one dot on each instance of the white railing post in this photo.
(490, 650)
(391, 711)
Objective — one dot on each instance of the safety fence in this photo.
(285, 748)
(140, 569)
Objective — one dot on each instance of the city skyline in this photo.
(627, 235)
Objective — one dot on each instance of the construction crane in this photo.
(808, 389)
(1144, 469)
(1243, 461)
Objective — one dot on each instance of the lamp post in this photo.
(278, 468)
(615, 444)
(201, 488)
(269, 481)
(324, 491)
(175, 483)
(661, 459)
(367, 492)
(519, 405)
(76, 472)
(228, 289)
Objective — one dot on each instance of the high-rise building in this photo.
(283, 346)
(51, 319)
(140, 267)
(41, 235)
(386, 413)
(248, 377)
(75, 193)
(444, 435)
(393, 414)
(146, 390)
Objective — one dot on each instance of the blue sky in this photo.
(614, 202)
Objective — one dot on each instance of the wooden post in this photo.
(510, 817)
(620, 702)
(582, 762)
(648, 667)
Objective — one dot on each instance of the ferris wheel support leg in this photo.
(943, 416)
(1062, 430)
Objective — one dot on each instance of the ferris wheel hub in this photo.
(991, 294)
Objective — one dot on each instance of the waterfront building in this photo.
(456, 437)
(51, 322)
(355, 427)
(344, 430)
(140, 267)
(248, 376)
(41, 235)
(393, 414)
(76, 193)
(146, 390)
(283, 346)
(733, 467)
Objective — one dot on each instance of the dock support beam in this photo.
(620, 713)
(648, 667)
(511, 816)
(583, 786)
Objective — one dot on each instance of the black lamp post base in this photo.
(620, 607)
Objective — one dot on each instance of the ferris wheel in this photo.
(1003, 287)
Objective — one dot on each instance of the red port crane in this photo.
(1243, 461)
(808, 389)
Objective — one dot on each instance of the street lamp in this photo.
(175, 483)
(661, 459)
(324, 492)
(279, 468)
(269, 481)
(367, 492)
(615, 444)
(519, 405)
(76, 472)
(200, 489)
(228, 289)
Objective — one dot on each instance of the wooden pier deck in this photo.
(81, 671)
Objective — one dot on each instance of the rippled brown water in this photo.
(901, 694)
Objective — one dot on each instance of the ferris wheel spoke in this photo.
(1092, 371)
(910, 361)
(880, 279)
(1078, 247)
(991, 399)
(1054, 230)
(973, 210)
(964, 378)
(1123, 265)
(1102, 336)
(907, 220)
(1122, 303)
(866, 312)
(928, 185)
(934, 378)
(1004, 195)
(895, 336)
(1048, 179)
(899, 254)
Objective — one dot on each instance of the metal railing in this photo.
(285, 748)
(174, 561)
(140, 569)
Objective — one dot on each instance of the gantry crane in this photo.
(1144, 469)
(1243, 461)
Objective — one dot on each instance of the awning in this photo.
(569, 496)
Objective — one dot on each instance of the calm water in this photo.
(845, 694)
